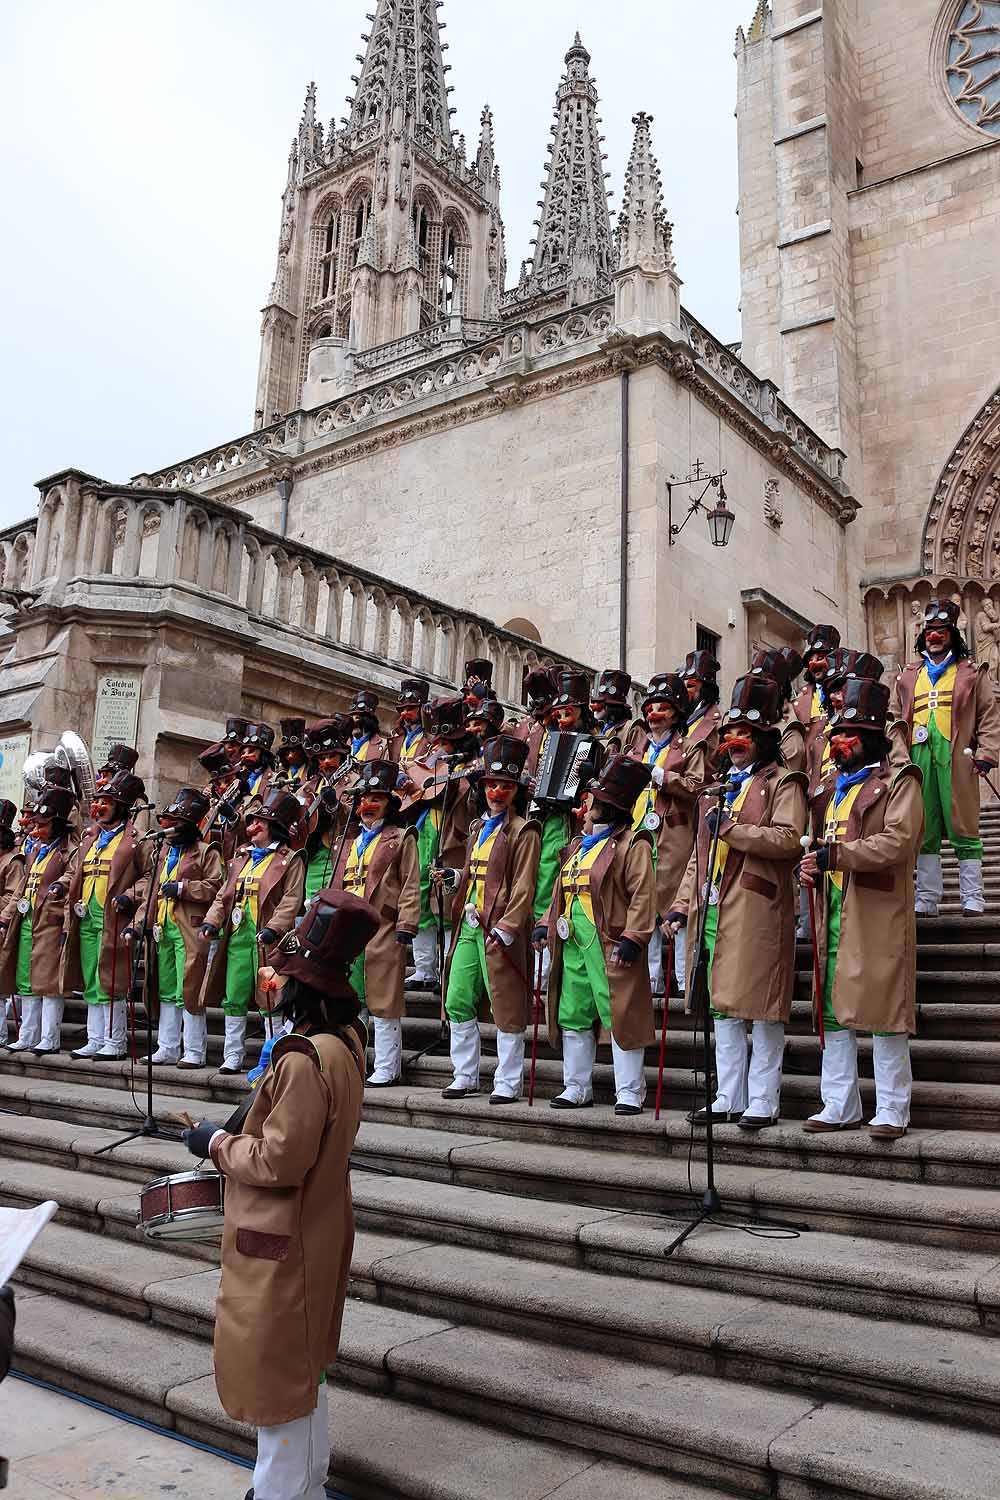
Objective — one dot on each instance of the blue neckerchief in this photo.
(43, 850)
(365, 837)
(591, 840)
(29, 845)
(263, 1063)
(412, 735)
(698, 712)
(106, 835)
(739, 777)
(255, 778)
(937, 669)
(172, 860)
(422, 819)
(490, 825)
(256, 855)
(358, 742)
(654, 749)
(845, 782)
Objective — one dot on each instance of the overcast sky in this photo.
(144, 150)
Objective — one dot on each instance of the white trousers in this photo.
(388, 1062)
(970, 886)
(508, 1079)
(168, 1034)
(465, 1053)
(838, 1084)
(97, 1021)
(293, 1459)
(195, 1038)
(579, 1056)
(52, 1014)
(425, 955)
(930, 884)
(654, 962)
(893, 1080)
(30, 1034)
(234, 1044)
(115, 1030)
(630, 1074)
(6, 1021)
(749, 1083)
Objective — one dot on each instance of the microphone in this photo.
(157, 833)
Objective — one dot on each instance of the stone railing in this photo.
(417, 345)
(171, 538)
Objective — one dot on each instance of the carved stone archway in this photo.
(962, 530)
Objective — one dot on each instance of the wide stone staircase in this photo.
(515, 1329)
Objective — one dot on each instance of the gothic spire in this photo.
(406, 34)
(758, 25)
(575, 222)
(645, 238)
(486, 156)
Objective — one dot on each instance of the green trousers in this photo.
(170, 958)
(555, 836)
(319, 872)
(934, 759)
(241, 967)
(22, 979)
(834, 909)
(356, 977)
(468, 981)
(711, 933)
(428, 843)
(584, 993)
(91, 939)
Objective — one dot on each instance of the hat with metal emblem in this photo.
(329, 736)
(943, 614)
(756, 703)
(292, 733)
(540, 686)
(866, 705)
(479, 670)
(124, 788)
(281, 810)
(365, 701)
(413, 691)
(335, 928)
(258, 736)
(54, 802)
(572, 688)
(504, 759)
(612, 689)
(215, 760)
(120, 758)
(845, 664)
(621, 783)
(236, 729)
(824, 638)
(380, 777)
(667, 687)
(700, 664)
(487, 709)
(188, 806)
(444, 718)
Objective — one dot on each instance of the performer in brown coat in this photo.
(26, 919)
(292, 758)
(820, 642)
(289, 1224)
(120, 758)
(105, 884)
(382, 865)
(186, 876)
(226, 790)
(478, 683)
(257, 764)
(408, 738)
(750, 920)
(367, 740)
(601, 919)
(234, 739)
(12, 877)
(700, 673)
(867, 821)
(609, 704)
(489, 963)
(784, 665)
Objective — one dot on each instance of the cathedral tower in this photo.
(386, 228)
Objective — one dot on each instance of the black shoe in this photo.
(756, 1122)
(628, 1109)
(232, 1072)
(189, 1066)
(392, 1084)
(561, 1102)
(719, 1117)
(505, 1099)
(455, 1092)
(46, 1051)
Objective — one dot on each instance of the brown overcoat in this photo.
(200, 873)
(128, 876)
(46, 926)
(975, 724)
(684, 775)
(279, 902)
(289, 1229)
(508, 897)
(706, 732)
(875, 978)
(802, 706)
(392, 886)
(753, 966)
(13, 876)
(623, 892)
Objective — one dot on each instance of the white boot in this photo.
(508, 1079)
(465, 1053)
(30, 1033)
(970, 887)
(233, 1046)
(680, 959)
(97, 1023)
(654, 961)
(115, 1043)
(579, 1056)
(930, 885)
(630, 1079)
(764, 1080)
(5, 1011)
(388, 1063)
(838, 1084)
(168, 1036)
(425, 960)
(730, 1066)
(195, 1040)
(893, 1081)
(52, 1014)
(803, 928)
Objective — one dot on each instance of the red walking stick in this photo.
(806, 841)
(667, 968)
(534, 1035)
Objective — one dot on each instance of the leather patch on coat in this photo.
(755, 883)
(876, 880)
(262, 1246)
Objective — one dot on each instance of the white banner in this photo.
(13, 754)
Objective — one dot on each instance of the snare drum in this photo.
(184, 1206)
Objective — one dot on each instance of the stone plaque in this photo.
(116, 714)
(13, 754)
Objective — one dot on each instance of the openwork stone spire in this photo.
(405, 36)
(645, 238)
(575, 223)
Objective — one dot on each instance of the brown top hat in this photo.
(413, 691)
(866, 705)
(941, 611)
(329, 734)
(504, 759)
(335, 928)
(480, 669)
(756, 702)
(364, 702)
(379, 776)
(281, 810)
(258, 736)
(612, 688)
(667, 687)
(444, 717)
(845, 664)
(124, 788)
(572, 687)
(215, 760)
(236, 729)
(60, 776)
(821, 638)
(188, 806)
(793, 662)
(700, 664)
(56, 803)
(621, 783)
(540, 688)
(120, 758)
(488, 709)
(292, 733)
(768, 663)
(8, 812)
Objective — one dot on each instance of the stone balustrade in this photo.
(17, 556)
(417, 346)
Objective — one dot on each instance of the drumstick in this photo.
(182, 1119)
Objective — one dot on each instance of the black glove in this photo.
(404, 939)
(129, 934)
(329, 799)
(197, 1138)
(983, 766)
(713, 817)
(123, 905)
(540, 934)
(57, 889)
(675, 917)
(626, 950)
(171, 889)
(267, 937)
(208, 930)
(823, 857)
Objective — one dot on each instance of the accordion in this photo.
(568, 763)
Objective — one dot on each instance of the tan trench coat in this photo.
(392, 885)
(279, 900)
(507, 903)
(975, 724)
(46, 925)
(684, 775)
(875, 979)
(128, 876)
(753, 968)
(289, 1229)
(623, 891)
(200, 872)
(13, 874)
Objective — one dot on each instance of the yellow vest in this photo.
(836, 826)
(647, 799)
(934, 702)
(96, 868)
(165, 908)
(296, 774)
(363, 752)
(722, 851)
(477, 868)
(35, 878)
(576, 879)
(817, 710)
(356, 873)
(248, 885)
(824, 764)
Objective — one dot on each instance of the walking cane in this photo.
(534, 1035)
(806, 842)
(985, 774)
(667, 968)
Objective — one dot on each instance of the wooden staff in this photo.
(806, 842)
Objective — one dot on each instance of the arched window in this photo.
(449, 271)
(359, 223)
(330, 256)
(421, 233)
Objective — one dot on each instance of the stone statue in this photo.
(988, 639)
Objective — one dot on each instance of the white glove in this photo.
(657, 776)
(499, 936)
